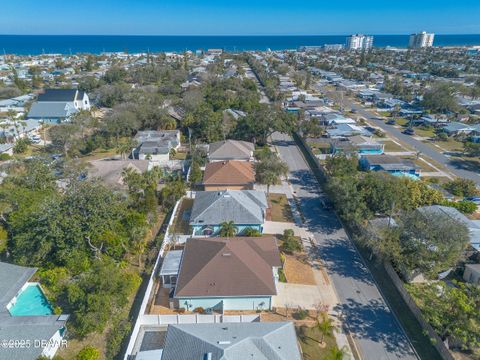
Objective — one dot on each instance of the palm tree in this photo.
(172, 153)
(269, 170)
(228, 229)
(335, 353)
(125, 147)
(325, 327)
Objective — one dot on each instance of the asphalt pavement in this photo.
(459, 168)
(376, 332)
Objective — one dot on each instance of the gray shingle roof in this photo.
(232, 341)
(12, 278)
(231, 150)
(19, 328)
(51, 110)
(63, 95)
(239, 206)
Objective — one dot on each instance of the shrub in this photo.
(290, 243)
(199, 310)
(88, 353)
(21, 145)
(181, 310)
(301, 314)
(466, 207)
(281, 275)
(116, 336)
(4, 157)
(251, 232)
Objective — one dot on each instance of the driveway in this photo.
(295, 295)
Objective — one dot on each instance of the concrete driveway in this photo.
(295, 295)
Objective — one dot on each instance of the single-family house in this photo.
(346, 130)
(57, 105)
(111, 170)
(458, 128)
(231, 150)
(335, 119)
(246, 208)
(471, 274)
(366, 145)
(219, 274)
(472, 225)
(391, 164)
(255, 340)
(229, 175)
(27, 319)
(156, 145)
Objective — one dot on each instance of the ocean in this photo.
(96, 44)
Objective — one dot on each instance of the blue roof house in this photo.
(246, 208)
(391, 164)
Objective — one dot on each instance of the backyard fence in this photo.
(152, 320)
(311, 159)
(437, 341)
(151, 283)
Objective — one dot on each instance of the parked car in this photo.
(475, 199)
(391, 122)
(409, 131)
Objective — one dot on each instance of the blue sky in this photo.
(237, 17)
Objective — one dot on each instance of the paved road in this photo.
(458, 168)
(372, 324)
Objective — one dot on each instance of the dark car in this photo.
(391, 122)
(409, 131)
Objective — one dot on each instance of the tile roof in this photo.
(239, 206)
(240, 266)
(231, 150)
(229, 172)
(232, 341)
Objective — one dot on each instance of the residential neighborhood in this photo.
(312, 203)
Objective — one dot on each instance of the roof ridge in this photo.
(258, 257)
(246, 192)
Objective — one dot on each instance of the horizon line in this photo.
(239, 35)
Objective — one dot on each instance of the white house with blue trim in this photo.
(246, 208)
(219, 274)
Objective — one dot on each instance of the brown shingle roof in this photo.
(228, 267)
(229, 173)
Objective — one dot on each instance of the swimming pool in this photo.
(31, 302)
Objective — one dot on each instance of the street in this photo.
(374, 328)
(454, 166)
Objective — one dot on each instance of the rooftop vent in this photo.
(227, 254)
(223, 342)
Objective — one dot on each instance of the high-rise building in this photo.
(421, 40)
(359, 42)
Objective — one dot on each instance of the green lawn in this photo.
(391, 146)
(450, 145)
(309, 338)
(425, 132)
(280, 210)
(402, 121)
